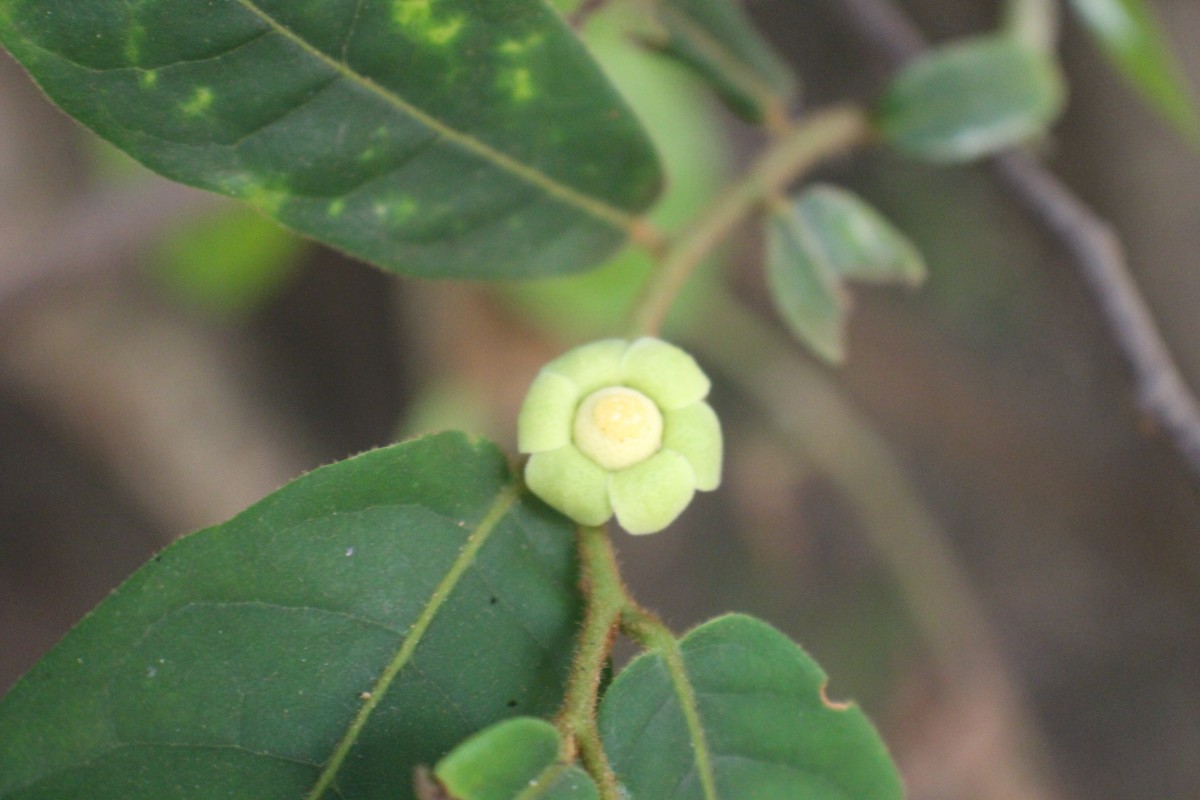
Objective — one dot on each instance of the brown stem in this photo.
(1161, 389)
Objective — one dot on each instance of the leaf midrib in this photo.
(504, 501)
(685, 693)
(502, 161)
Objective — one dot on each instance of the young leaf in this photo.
(433, 137)
(826, 236)
(971, 99)
(1136, 44)
(736, 710)
(513, 760)
(855, 239)
(361, 621)
(719, 43)
(803, 285)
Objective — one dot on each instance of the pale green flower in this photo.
(617, 426)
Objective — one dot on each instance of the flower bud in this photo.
(620, 427)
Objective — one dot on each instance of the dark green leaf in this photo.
(828, 235)
(1135, 42)
(360, 621)
(719, 42)
(513, 760)
(433, 137)
(738, 711)
(971, 99)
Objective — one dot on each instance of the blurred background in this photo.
(969, 525)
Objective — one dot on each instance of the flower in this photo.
(618, 426)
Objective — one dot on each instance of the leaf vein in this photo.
(686, 695)
(479, 536)
(590, 205)
(287, 112)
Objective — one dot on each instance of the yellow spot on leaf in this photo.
(269, 201)
(336, 207)
(411, 12)
(403, 209)
(416, 17)
(516, 47)
(200, 101)
(396, 210)
(149, 79)
(518, 82)
(446, 32)
(268, 198)
(133, 44)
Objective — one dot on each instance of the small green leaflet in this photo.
(442, 138)
(824, 237)
(358, 623)
(971, 99)
(717, 41)
(513, 760)
(1139, 48)
(735, 710)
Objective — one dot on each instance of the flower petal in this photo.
(570, 482)
(649, 496)
(695, 433)
(671, 377)
(592, 366)
(547, 413)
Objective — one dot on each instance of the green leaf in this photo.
(736, 710)
(971, 99)
(855, 240)
(513, 760)
(803, 284)
(433, 137)
(226, 264)
(1136, 44)
(359, 622)
(717, 41)
(828, 235)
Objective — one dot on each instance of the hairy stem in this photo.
(606, 597)
(819, 136)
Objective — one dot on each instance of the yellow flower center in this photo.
(618, 427)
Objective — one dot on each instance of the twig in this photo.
(1162, 392)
